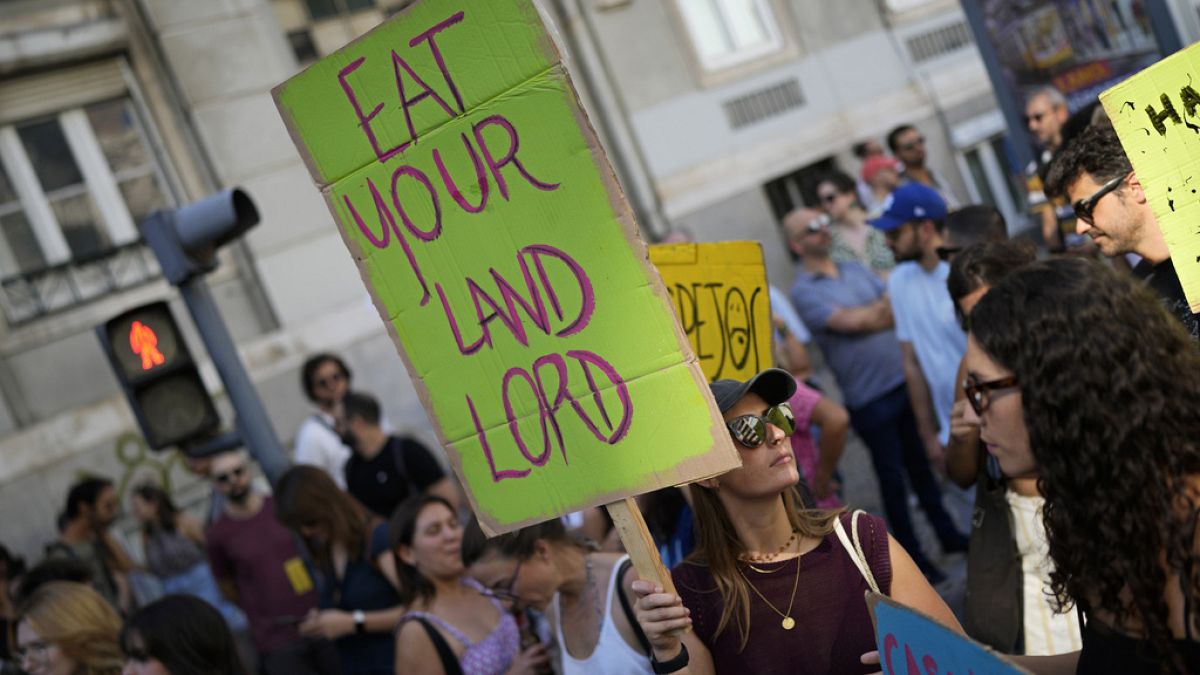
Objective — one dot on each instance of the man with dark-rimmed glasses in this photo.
(1111, 207)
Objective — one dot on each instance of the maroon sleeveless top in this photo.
(833, 627)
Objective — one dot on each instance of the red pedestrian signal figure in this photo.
(144, 343)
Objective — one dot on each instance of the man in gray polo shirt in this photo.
(847, 309)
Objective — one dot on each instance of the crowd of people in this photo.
(1057, 389)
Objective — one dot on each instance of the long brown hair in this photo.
(414, 586)
(718, 548)
(165, 511)
(307, 497)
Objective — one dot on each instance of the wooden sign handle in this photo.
(627, 518)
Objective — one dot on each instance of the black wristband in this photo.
(678, 663)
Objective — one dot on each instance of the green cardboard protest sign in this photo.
(490, 230)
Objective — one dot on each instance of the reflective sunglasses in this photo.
(1084, 207)
(978, 393)
(751, 430)
(230, 475)
(819, 223)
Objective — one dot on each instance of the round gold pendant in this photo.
(788, 623)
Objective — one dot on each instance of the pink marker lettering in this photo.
(364, 121)
(480, 179)
(429, 36)
(384, 240)
(398, 63)
(419, 176)
(497, 476)
(541, 459)
(510, 155)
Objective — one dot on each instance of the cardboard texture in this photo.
(720, 295)
(910, 642)
(1155, 116)
(489, 228)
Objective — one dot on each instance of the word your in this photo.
(702, 304)
(386, 218)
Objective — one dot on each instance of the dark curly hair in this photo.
(1109, 397)
(986, 264)
(308, 372)
(893, 137)
(1096, 151)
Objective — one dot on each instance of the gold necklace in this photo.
(770, 557)
(765, 571)
(788, 622)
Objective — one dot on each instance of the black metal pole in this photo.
(253, 424)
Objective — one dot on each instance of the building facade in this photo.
(714, 115)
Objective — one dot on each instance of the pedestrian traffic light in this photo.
(185, 240)
(155, 369)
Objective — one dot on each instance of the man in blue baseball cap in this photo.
(931, 341)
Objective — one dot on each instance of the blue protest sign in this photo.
(911, 643)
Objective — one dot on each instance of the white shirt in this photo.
(925, 318)
(1046, 632)
(612, 655)
(318, 445)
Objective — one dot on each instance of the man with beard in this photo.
(386, 469)
(931, 341)
(258, 566)
(1046, 114)
(1095, 175)
(846, 308)
(908, 146)
(92, 508)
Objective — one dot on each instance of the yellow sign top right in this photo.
(1155, 114)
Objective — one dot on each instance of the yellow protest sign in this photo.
(721, 298)
(1155, 116)
(487, 224)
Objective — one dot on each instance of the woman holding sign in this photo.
(1080, 375)
(771, 588)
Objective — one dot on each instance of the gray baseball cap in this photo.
(773, 384)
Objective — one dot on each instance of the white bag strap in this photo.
(855, 550)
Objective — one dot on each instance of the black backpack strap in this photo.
(401, 463)
(449, 660)
(637, 628)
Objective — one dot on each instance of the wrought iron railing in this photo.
(32, 295)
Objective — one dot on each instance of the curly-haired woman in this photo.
(1080, 376)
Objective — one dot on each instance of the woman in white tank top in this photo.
(585, 594)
